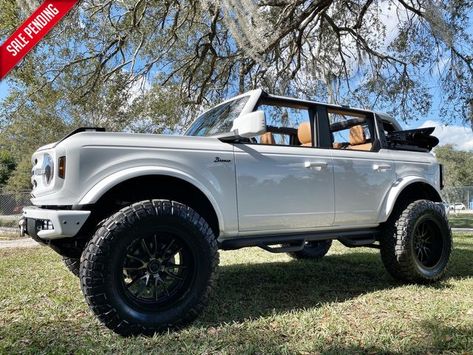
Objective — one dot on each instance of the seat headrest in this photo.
(267, 138)
(357, 135)
(303, 133)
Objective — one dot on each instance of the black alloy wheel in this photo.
(428, 242)
(157, 270)
(416, 242)
(150, 267)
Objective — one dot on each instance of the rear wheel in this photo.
(417, 243)
(150, 267)
(313, 250)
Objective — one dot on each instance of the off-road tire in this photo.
(312, 250)
(73, 264)
(102, 269)
(402, 246)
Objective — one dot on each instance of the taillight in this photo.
(61, 171)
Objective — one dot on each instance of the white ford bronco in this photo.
(140, 217)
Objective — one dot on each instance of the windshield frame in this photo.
(253, 97)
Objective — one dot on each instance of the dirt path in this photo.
(8, 230)
(18, 243)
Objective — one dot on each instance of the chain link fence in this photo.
(11, 203)
(459, 198)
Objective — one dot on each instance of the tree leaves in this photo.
(458, 166)
(207, 50)
(187, 54)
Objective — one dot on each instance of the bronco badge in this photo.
(218, 160)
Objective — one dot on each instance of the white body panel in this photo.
(262, 189)
(362, 181)
(64, 223)
(411, 167)
(254, 189)
(278, 192)
(98, 161)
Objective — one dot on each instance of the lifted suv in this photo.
(140, 218)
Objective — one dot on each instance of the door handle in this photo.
(316, 165)
(381, 167)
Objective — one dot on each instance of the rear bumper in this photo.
(52, 224)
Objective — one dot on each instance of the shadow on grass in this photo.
(244, 292)
(253, 290)
(441, 339)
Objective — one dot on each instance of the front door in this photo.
(284, 182)
(283, 188)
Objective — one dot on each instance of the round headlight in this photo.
(48, 169)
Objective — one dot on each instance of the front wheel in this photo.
(73, 265)
(149, 268)
(417, 243)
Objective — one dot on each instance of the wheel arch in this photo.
(410, 189)
(150, 182)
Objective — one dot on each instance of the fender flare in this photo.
(104, 185)
(397, 188)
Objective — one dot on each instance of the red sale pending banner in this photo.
(31, 32)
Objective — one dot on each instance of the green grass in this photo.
(9, 221)
(263, 303)
(9, 224)
(460, 220)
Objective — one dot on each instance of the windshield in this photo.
(217, 120)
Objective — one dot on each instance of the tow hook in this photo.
(22, 226)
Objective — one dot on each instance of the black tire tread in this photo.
(99, 247)
(73, 264)
(394, 244)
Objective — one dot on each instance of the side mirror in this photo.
(250, 125)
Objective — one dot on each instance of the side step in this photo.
(359, 242)
(294, 246)
(352, 238)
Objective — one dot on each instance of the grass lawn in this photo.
(9, 224)
(460, 220)
(9, 221)
(263, 303)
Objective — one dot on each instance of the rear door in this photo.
(363, 173)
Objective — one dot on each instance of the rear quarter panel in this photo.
(410, 167)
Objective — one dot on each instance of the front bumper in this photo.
(52, 224)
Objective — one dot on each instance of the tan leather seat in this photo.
(267, 138)
(357, 139)
(304, 134)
